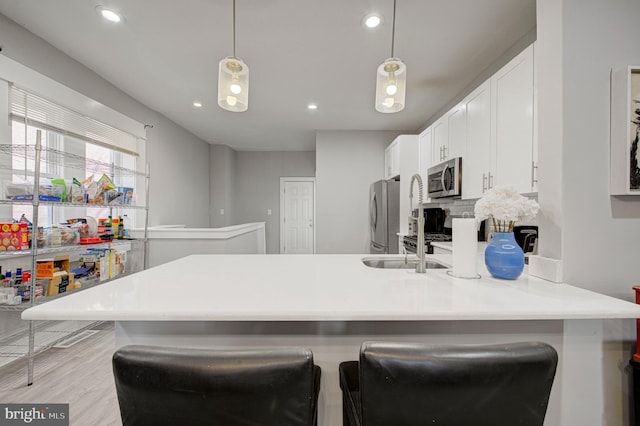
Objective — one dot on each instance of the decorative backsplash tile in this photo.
(464, 208)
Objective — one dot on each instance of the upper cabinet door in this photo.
(477, 164)
(494, 131)
(512, 121)
(392, 160)
(449, 135)
(457, 121)
(402, 161)
(440, 132)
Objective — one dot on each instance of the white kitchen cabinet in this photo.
(405, 148)
(512, 123)
(457, 121)
(392, 160)
(477, 164)
(501, 145)
(449, 135)
(440, 140)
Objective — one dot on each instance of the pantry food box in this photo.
(61, 282)
(14, 236)
(46, 268)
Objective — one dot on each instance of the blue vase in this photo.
(504, 257)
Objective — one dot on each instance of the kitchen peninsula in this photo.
(332, 303)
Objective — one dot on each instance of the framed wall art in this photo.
(625, 131)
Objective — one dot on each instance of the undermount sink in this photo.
(400, 263)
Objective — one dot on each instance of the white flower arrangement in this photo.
(505, 206)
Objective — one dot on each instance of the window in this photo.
(23, 169)
(105, 151)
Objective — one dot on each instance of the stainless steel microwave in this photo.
(445, 179)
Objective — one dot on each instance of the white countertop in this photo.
(182, 232)
(446, 245)
(322, 288)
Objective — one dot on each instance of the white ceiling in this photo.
(166, 56)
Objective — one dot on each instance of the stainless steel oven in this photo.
(445, 179)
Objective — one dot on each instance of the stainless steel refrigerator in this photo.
(384, 216)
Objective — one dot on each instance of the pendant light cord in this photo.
(234, 28)
(393, 27)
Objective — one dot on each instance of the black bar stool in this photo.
(404, 384)
(178, 386)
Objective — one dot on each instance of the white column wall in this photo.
(594, 234)
(548, 70)
(600, 233)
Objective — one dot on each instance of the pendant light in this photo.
(391, 79)
(233, 79)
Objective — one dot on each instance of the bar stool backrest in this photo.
(177, 386)
(482, 385)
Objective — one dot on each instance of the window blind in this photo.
(42, 113)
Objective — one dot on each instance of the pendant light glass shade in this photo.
(233, 84)
(233, 79)
(391, 85)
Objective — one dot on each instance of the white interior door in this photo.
(297, 215)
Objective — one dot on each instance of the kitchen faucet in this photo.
(421, 266)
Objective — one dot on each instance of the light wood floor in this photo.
(80, 376)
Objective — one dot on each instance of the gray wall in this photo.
(594, 234)
(600, 233)
(347, 163)
(222, 183)
(179, 161)
(598, 35)
(257, 187)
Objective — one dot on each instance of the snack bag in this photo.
(60, 187)
(106, 184)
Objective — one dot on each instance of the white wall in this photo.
(179, 161)
(347, 163)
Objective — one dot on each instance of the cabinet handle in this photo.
(484, 183)
(534, 168)
(490, 181)
(444, 152)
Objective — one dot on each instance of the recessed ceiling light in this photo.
(312, 106)
(109, 14)
(197, 104)
(372, 21)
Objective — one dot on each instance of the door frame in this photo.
(283, 180)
